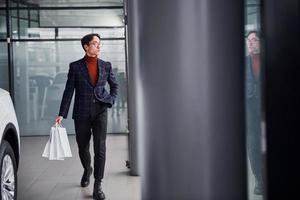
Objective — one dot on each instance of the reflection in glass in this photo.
(40, 76)
(254, 109)
(253, 100)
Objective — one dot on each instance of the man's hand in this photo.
(58, 119)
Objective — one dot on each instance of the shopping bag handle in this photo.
(58, 125)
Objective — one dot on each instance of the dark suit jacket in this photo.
(252, 85)
(85, 92)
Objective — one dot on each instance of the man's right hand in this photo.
(58, 119)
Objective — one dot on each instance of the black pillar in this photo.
(281, 35)
(188, 76)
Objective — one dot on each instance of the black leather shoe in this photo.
(85, 180)
(98, 194)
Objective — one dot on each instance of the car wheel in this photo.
(8, 172)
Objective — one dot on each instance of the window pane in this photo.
(81, 18)
(14, 13)
(19, 31)
(23, 28)
(253, 17)
(2, 24)
(34, 15)
(14, 27)
(40, 33)
(4, 80)
(34, 24)
(12, 4)
(23, 14)
(114, 51)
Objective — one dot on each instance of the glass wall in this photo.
(253, 71)
(4, 75)
(44, 42)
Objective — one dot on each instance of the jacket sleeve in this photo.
(112, 83)
(68, 93)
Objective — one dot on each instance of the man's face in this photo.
(253, 44)
(93, 48)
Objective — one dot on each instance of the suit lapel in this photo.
(100, 71)
(84, 70)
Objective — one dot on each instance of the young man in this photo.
(87, 77)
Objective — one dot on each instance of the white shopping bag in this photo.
(57, 146)
(63, 137)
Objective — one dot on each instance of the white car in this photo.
(9, 147)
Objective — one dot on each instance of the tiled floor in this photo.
(41, 179)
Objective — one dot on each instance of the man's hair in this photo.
(253, 31)
(87, 38)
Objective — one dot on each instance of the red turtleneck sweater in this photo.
(92, 68)
(255, 65)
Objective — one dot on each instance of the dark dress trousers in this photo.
(90, 110)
